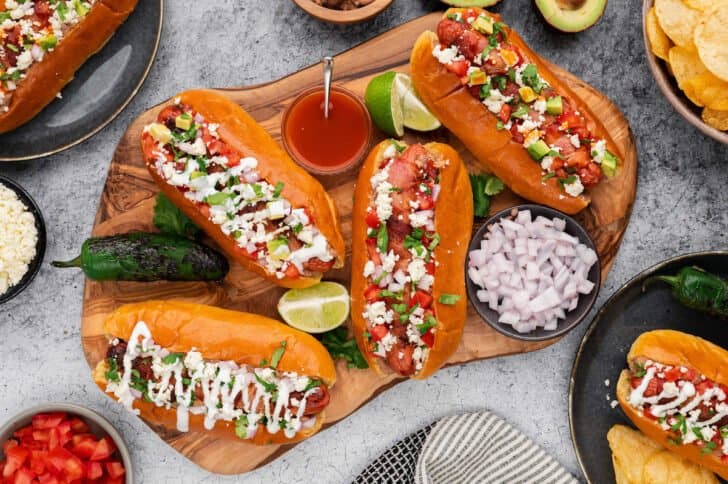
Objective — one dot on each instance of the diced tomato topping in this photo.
(94, 470)
(292, 271)
(55, 449)
(48, 420)
(14, 460)
(47, 478)
(430, 267)
(78, 426)
(24, 476)
(428, 338)
(426, 202)
(84, 447)
(673, 374)
(571, 119)
(378, 332)
(115, 469)
(9, 444)
(703, 387)
(372, 220)
(636, 382)
(460, 68)
(421, 298)
(505, 113)
(371, 294)
(517, 137)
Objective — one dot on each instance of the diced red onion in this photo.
(530, 271)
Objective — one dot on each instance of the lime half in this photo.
(315, 309)
(385, 104)
(416, 114)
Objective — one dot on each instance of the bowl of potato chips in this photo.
(687, 49)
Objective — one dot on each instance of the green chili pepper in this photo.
(141, 256)
(697, 289)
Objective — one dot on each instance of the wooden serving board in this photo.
(128, 200)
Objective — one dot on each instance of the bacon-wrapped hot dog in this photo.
(676, 392)
(230, 177)
(525, 125)
(42, 45)
(412, 220)
(205, 369)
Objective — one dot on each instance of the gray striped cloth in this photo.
(483, 448)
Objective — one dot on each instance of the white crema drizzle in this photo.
(222, 383)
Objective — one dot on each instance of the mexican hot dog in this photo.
(525, 125)
(676, 392)
(203, 369)
(226, 173)
(43, 43)
(412, 220)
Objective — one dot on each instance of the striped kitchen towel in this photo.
(483, 448)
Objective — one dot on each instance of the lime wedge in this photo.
(416, 114)
(385, 104)
(315, 309)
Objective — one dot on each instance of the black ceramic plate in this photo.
(102, 88)
(40, 246)
(603, 352)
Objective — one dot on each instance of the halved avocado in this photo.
(571, 15)
(471, 3)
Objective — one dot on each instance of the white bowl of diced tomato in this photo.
(62, 442)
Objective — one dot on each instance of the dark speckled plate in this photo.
(102, 88)
(603, 352)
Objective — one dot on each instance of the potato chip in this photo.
(701, 5)
(630, 449)
(716, 119)
(659, 42)
(709, 90)
(677, 20)
(711, 39)
(667, 468)
(685, 64)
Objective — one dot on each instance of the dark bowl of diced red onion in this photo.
(532, 272)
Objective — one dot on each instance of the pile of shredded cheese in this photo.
(18, 238)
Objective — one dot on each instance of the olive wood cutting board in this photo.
(128, 199)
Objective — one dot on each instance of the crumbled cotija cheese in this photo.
(18, 238)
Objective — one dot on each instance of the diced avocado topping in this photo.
(183, 121)
(48, 42)
(538, 150)
(609, 164)
(527, 94)
(509, 56)
(197, 174)
(483, 24)
(160, 133)
(81, 9)
(477, 78)
(554, 105)
(218, 198)
(278, 248)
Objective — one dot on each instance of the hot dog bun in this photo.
(220, 334)
(46, 78)
(676, 349)
(443, 93)
(244, 134)
(453, 221)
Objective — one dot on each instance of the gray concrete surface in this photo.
(681, 207)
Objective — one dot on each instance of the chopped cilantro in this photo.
(639, 370)
(499, 125)
(383, 238)
(172, 358)
(170, 220)
(340, 346)
(241, 427)
(113, 372)
(278, 354)
(278, 190)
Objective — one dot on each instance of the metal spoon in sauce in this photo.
(328, 62)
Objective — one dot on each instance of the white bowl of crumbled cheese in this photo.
(22, 239)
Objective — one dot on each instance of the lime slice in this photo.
(385, 104)
(315, 309)
(416, 114)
